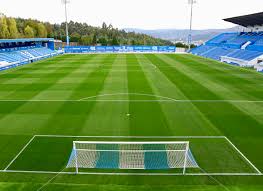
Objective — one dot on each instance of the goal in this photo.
(131, 155)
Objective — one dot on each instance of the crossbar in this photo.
(131, 151)
(131, 143)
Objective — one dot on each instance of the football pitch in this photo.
(45, 106)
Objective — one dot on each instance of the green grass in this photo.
(220, 156)
(42, 98)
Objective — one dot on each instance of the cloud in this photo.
(147, 14)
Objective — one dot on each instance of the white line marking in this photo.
(133, 174)
(142, 100)
(135, 137)
(130, 143)
(258, 171)
(132, 151)
(217, 181)
(164, 98)
(136, 94)
(136, 174)
(50, 180)
(19, 153)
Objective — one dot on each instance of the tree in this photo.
(20, 23)
(49, 29)
(4, 32)
(94, 40)
(104, 26)
(11, 22)
(41, 30)
(103, 41)
(115, 41)
(75, 37)
(79, 32)
(85, 40)
(29, 32)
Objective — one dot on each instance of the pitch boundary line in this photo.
(124, 100)
(28, 143)
(132, 174)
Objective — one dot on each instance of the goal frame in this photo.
(186, 150)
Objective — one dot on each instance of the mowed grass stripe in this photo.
(219, 88)
(245, 74)
(177, 112)
(11, 107)
(237, 86)
(15, 116)
(39, 113)
(18, 79)
(31, 89)
(118, 183)
(231, 121)
(194, 90)
(220, 85)
(71, 116)
(146, 118)
(248, 144)
(65, 86)
(21, 70)
(110, 118)
(16, 121)
(10, 145)
(24, 71)
(47, 108)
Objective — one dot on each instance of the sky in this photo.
(143, 14)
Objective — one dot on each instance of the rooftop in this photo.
(247, 20)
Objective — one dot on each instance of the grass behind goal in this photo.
(214, 155)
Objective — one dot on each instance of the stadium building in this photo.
(244, 48)
(16, 52)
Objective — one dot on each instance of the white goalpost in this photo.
(131, 155)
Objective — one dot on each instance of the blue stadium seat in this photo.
(245, 54)
(25, 54)
(245, 46)
(10, 58)
(220, 39)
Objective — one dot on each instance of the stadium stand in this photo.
(237, 48)
(15, 52)
(229, 45)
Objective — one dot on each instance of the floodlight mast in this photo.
(191, 2)
(65, 2)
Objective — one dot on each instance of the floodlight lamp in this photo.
(65, 1)
(192, 1)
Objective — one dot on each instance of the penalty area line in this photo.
(19, 153)
(244, 157)
(134, 137)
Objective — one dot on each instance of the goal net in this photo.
(131, 155)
